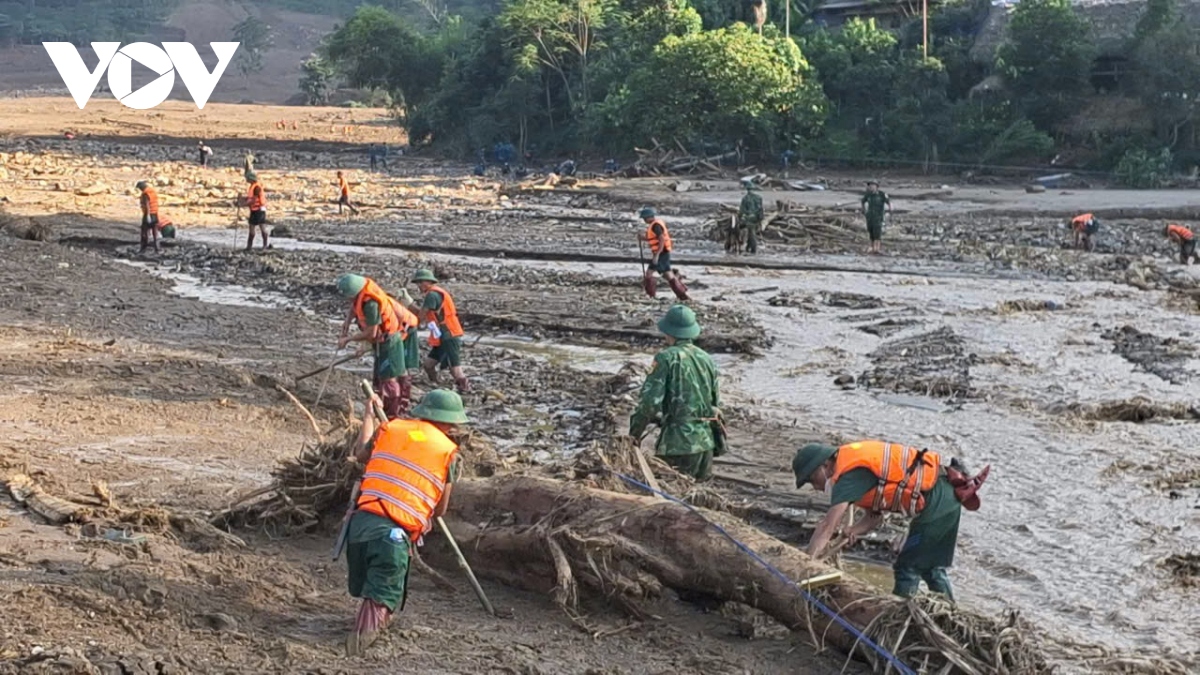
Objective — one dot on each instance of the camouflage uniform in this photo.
(680, 395)
(750, 216)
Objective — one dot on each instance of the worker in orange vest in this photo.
(439, 313)
(880, 477)
(149, 203)
(1085, 227)
(256, 199)
(1186, 241)
(384, 323)
(411, 465)
(659, 239)
(344, 195)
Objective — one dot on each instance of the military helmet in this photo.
(251, 177)
(441, 405)
(647, 212)
(808, 459)
(142, 185)
(424, 275)
(680, 322)
(350, 285)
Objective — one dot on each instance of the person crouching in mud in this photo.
(880, 477)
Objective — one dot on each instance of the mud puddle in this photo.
(188, 286)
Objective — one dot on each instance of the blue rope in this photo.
(850, 628)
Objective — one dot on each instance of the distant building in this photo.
(888, 14)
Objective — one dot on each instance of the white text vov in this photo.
(172, 57)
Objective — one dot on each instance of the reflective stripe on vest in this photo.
(389, 323)
(255, 196)
(1080, 222)
(407, 474)
(448, 318)
(150, 201)
(903, 474)
(1181, 232)
(657, 246)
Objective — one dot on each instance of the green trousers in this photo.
(698, 465)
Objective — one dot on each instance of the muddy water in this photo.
(1072, 548)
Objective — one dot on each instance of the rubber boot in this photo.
(372, 618)
(391, 393)
(405, 382)
(678, 287)
(649, 284)
(461, 385)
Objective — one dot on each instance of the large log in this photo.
(552, 537)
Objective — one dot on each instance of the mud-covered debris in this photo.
(845, 381)
(888, 327)
(1187, 479)
(29, 229)
(281, 230)
(850, 300)
(929, 364)
(1163, 357)
(788, 299)
(1184, 567)
(1138, 409)
(1015, 306)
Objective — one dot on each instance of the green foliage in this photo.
(315, 78)
(561, 36)
(255, 39)
(1166, 62)
(1144, 169)
(1046, 59)
(721, 85)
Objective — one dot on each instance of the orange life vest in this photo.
(1181, 233)
(389, 322)
(407, 474)
(344, 186)
(904, 473)
(657, 246)
(255, 196)
(1080, 222)
(150, 201)
(448, 318)
(407, 318)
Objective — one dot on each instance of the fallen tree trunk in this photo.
(554, 537)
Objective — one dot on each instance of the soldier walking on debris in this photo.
(873, 204)
(750, 214)
(1186, 240)
(383, 323)
(880, 477)
(205, 154)
(256, 199)
(149, 203)
(445, 332)
(1085, 227)
(411, 466)
(681, 396)
(344, 195)
(659, 239)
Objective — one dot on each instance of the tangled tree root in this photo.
(1185, 567)
(1138, 409)
(929, 364)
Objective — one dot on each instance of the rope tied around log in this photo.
(892, 660)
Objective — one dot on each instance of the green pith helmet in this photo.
(251, 177)
(748, 183)
(441, 405)
(168, 232)
(141, 185)
(808, 459)
(350, 285)
(680, 322)
(647, 212)
(424, 275)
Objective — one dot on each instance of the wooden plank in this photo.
(820, 580)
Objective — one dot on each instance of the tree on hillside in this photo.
(316, 76)
(562, 36)
(1166, 64)
(720, 86)
(1046, 59)
(255, 39)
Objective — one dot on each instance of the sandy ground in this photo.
(158, 376)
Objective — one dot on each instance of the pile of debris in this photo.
(802, 227)
(1163, 357)
(665, 160)
(930, 364)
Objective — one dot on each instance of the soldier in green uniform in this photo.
(750, 214)
(680, 396)
(928, 548)
(873, 204)
(391, 377)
